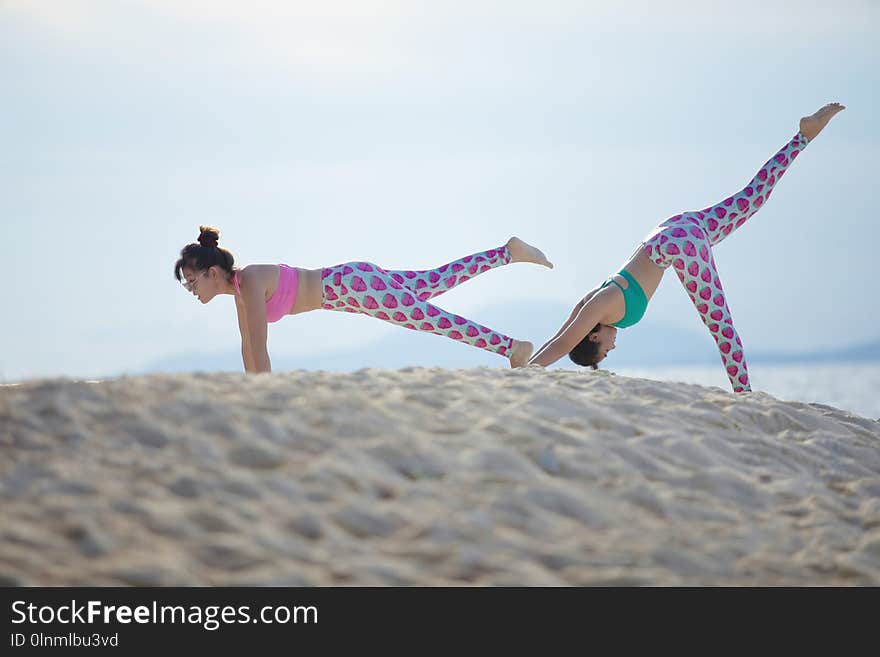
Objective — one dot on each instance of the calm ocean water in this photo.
(852, 387)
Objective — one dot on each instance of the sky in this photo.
(410, 134)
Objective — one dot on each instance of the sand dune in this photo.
(431, 477)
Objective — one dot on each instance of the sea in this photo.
(853, 387)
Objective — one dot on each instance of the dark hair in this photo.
(586, 351)
(205, 253)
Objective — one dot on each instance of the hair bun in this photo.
(209, 236)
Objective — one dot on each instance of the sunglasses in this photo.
(190, 285)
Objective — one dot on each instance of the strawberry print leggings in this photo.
(685, 241)
(401, 297)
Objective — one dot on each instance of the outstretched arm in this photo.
(253, 299)
(580, 304)
(568, 322)
(246, 357)
(593, 312)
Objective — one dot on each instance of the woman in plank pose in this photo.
(266, 293)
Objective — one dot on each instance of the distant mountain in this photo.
(649, 345)
(863, 353)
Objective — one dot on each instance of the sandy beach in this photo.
(431, 477)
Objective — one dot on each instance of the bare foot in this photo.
(520, 352)
(812, 125)
(522, 252)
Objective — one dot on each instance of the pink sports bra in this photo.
(281, 302)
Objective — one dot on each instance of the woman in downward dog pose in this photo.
(266, 293)
(684, 242)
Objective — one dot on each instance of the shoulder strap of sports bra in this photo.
(611, 280)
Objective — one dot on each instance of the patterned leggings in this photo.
(401, 297)
(685, 241)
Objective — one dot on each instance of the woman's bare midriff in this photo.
(644, 271)
(309, 293)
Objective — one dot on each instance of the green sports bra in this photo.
(633, 298)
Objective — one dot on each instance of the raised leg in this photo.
(430, 283)
(722, 219)
(362, 287)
